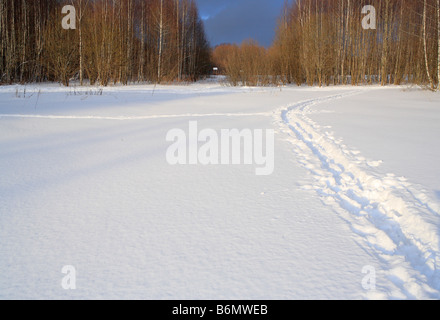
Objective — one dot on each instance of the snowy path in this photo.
(396, 220)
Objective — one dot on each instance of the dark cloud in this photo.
(232, 21)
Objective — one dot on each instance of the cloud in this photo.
(232, 21)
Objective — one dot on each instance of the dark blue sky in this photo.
(232, 21)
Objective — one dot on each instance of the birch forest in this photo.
(318, 42)
(323, 42)
(115, 41)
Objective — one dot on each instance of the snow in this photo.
(85, 183)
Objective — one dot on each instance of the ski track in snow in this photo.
(395, 219)
(125, 118)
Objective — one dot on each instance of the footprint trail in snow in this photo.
(397, 221)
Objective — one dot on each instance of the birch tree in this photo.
(438, 45)
(425, 48)
(161, 34)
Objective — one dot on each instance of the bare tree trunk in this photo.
(425, 44)
(142, 51)
(80, 47)
(438, 45)
(39, 40)
(2, 38)
(384, 56)
(11, 51)
(23, 44)
(193, 43)
(120, 44)
(81, 80)
(340, 31)
(347, 24)
(179, 66)
(183, 38)
(397, 72)
(159, 63)
(128, 69)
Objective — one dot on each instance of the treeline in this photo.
(115, 41)
(248, 64)
(323, 42)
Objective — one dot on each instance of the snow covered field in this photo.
(351, 211)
